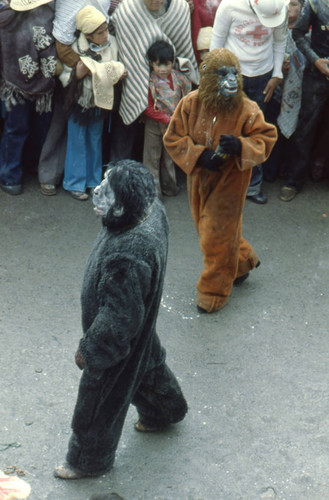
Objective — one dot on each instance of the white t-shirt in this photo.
(258, 48)
(65, 14)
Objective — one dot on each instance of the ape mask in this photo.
(125, 196)
(220, 81)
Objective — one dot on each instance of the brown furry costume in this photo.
(217, 197)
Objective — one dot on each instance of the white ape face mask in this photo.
(104, 197)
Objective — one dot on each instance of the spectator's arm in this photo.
(222, 25)
(280, 35)
(66, 54)
(299, 31)
(158, 116)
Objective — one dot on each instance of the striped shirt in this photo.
(65, 13)
(135, 31)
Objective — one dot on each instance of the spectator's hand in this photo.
(79, 361)
(270, 87)
(209, 160)
(81, 70)
(323, 66)
(231, 145)
(124, 75)
(285, 67)
(191, 5)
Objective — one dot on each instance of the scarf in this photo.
(135, 31)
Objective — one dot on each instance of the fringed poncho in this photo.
(27, 57)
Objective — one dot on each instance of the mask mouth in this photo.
(228, 89)
(99, 210)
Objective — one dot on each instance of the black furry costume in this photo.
(123, 360)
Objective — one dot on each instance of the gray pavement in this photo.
(256, 374)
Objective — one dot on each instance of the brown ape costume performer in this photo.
(217, 195)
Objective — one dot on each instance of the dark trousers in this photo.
(282, 154)
(315, 93)
(21, 119)
(126, 140)
(254, 87)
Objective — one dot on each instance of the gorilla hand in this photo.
(229, 144)
(210, 160)
(79, 360)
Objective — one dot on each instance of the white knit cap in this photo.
(27, 4)
(204, 38)
(89, 19)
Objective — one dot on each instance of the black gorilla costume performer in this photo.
(120, 353)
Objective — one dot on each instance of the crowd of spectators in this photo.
(77, 89)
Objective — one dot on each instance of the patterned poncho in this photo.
(135, 31)
(27, 57)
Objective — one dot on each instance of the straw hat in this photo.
(27, 4)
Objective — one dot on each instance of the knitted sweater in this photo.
(135, 31)
(166, 95)
(258, 48)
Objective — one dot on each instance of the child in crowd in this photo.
(89, 95)
(166, 88)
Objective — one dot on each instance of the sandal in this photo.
(48, 189)
(79, 195)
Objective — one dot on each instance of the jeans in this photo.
(254, 87)
(83, 161)
(16, 129)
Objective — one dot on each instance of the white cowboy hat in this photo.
(27, 4)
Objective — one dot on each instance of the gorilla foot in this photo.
(146, 428)
(65, 471)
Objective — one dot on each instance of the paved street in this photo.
(255, 375)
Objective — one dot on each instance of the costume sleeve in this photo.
(301, 29)
(122, 293)
(177, 141)
(258, 138)
(280, 35)
(221, 26)
(158, 116)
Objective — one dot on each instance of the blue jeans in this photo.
(15, 132)
(83, 161)
(254, 87)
